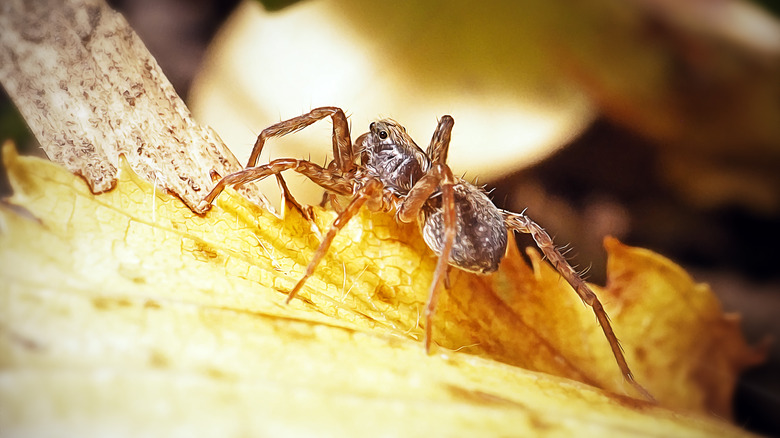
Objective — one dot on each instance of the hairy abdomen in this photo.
(481, 236)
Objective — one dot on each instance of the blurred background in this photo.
(655, 121)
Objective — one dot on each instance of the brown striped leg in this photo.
(523, 224)
(440, 143)
(287, 197)
(318, 174)
(439, 177)
(343, 155)
(368, 193)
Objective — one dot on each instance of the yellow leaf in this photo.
(126, 312)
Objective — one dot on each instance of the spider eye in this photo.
(371, 126)
(383, 134)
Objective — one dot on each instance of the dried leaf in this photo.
(677, 340)
(127, 312)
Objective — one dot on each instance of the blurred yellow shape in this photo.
(411, 61)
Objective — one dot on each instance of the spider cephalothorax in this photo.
(389, 154)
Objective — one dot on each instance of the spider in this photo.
(457, 219)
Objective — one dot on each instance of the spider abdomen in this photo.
(480, 236)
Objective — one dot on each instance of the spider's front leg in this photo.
(370, 193)
(325, 178)
(343, 155)
(439, 177)
(440, 142)
(523, 224)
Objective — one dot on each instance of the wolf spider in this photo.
(458, 221)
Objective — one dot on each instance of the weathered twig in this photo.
(90, 91)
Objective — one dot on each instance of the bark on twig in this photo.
(90, 91)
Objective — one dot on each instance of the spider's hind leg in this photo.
(523, 224)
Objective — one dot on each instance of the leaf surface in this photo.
(126, 312)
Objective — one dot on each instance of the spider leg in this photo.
(331, 198)
(427, 185)
(323, 177)
(343, 155)
(440, 143)
(368, 193)
(439, 177)
(287, 197)
(523, 224)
